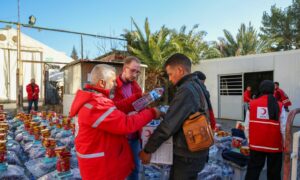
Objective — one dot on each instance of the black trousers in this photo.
(257, 162)
(184, 168)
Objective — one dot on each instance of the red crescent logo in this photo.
(264, 111)
(148, 133)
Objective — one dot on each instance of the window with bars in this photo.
(231, 85)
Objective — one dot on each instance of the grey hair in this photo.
(101, 72)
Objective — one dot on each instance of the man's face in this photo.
(32, 81)
(175, 73)
(249, 88)
(131, 71)
(276, 86)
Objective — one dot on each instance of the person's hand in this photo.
(145, 157)
(157, 113)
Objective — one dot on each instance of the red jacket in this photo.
(102, 149)
(126, 103)
(32, 93)
(264, 133)
(281, 96)
(119, 97)
(247, 96)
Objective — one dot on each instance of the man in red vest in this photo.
(102, 148)
(265, 129)
(281, 96)
(32, 95)
(247, 99)
(127, 89)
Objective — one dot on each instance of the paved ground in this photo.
(11, 107)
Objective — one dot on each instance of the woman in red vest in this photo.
(265, 129)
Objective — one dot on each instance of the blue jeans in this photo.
(35, 102)
(136, 148)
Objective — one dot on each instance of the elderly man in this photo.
(32, 95)
(102, 149)
(127, 89)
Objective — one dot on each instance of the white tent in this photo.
(34, 55)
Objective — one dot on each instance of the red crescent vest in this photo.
(264, 133)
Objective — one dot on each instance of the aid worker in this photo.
(265, 129)
(282, 97)
(101, 145)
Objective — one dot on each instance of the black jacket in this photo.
(188, 99)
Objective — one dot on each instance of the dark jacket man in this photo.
(189, 98)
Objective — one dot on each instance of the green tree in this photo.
(296, 15)
(282, 27)
(152, 49)
(190, 43)
(211, 51)
(74, 54)
(246, 42)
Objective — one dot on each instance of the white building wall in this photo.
(286, 67)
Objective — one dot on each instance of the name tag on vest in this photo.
(262, 113)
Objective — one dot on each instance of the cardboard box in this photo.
(164, 154)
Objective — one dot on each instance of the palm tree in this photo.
(152, 49)
(190, 43)
(246, 42)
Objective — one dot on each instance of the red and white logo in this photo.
(262, 113)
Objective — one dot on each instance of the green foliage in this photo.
(280, 31)
(246, 42)
(151, 48)
(154, 48)
(282, 27)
